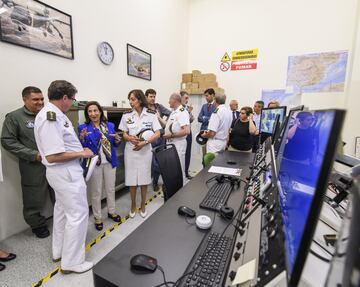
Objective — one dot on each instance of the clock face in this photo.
(105, 53)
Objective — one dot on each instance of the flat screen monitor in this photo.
(268, 118)
(309, 146)
(280, 132)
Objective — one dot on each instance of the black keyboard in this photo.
(217, 196)
(209, 263)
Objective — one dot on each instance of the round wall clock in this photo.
(105, 53)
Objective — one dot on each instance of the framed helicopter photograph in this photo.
(36, 25)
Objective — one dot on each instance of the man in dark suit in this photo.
(206, 111)
(234, 110)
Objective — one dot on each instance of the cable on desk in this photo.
(165, 283)
(187, 220)
(322, 247)
(319, 256)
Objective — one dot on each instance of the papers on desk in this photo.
(245, 273)
(225, 170)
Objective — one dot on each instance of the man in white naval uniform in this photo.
(61, 150)
(219, 126)
(177, 128)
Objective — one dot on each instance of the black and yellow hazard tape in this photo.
(95, 241)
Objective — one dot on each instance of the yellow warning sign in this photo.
(225, 58)
(245, 55)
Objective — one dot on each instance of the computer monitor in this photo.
(268, 117)
(280, 132)
(309, 147)
(297, 108)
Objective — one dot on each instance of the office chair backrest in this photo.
(170, 168)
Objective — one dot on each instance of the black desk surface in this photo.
(166, 236)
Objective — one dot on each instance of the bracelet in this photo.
(147, 142)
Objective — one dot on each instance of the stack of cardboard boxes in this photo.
(197, 83)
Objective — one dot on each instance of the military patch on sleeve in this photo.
(51, 116)
(216, 110)
(151, 111)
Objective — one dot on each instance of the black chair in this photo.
(170, 168)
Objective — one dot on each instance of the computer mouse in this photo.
(186, 211)
(143, 262)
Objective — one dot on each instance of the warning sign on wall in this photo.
(240, 60)
(245, 55)
(225, 58)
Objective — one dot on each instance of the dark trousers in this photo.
(155, 171)
(188, 153)
(255, 143)
(35, 189)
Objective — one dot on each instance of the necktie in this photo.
(234, 116)
(209, 108)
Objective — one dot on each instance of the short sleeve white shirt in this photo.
(54, 136)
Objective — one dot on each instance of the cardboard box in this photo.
(209, 77)
(196, 73)
(206, 85)
(219, 90)
(186, 78)
(194, 85)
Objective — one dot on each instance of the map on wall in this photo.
(284, 97)
(320, 72)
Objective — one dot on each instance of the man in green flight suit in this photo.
(17, 137)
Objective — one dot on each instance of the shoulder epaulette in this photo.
(216, 110)
(51, 116)
(182, 109)
(127, 112)
(151, 111)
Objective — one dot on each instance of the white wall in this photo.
(158, 27)
(279, 28)
(352, 124)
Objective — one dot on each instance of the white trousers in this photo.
(103, 175)
(71, 213)
(181, 149)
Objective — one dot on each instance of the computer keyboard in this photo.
(217, 196)
(208, 266)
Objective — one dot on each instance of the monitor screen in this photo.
(268, 118)
(305, 160)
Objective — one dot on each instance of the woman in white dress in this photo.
(141, 127)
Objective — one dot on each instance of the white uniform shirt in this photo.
(53, 137)
(132, 123)
(177, 119)
(220, 122)
(256, 119)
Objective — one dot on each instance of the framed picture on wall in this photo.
(36, 25)
(138, 63)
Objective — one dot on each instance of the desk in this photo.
(166, 236)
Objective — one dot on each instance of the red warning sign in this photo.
(240, 65)
(224, 66)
